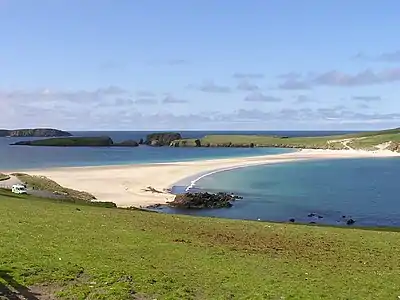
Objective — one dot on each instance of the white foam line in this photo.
(193, 182)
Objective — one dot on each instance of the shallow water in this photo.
(366, 190)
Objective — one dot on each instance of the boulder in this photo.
(197, 142)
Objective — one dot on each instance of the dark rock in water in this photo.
(350, 222)
(343, 217)
(140, 141)
(198, 143)
(154, 206)
(291, 220)
(313, 222)
(162, 138)
(311, 215)
(320, 217)
(203, 200)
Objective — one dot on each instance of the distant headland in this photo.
(384, 140)
(35, 132)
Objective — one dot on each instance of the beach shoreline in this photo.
(127, 185)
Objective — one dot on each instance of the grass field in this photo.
(84, 252)
(367, 140)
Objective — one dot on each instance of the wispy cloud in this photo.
(300, 99)
(248, 75)
(259, 97)
(393, 56)
(173, 100)
(341, 79)
(146, 101)
(367, 98)
(245, 85)
(208, 86)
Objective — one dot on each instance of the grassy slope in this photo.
(4, 177)
(358, 141)
(98, 253)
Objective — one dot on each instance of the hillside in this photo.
(101, 141)
(377, 140)
(84, 252)
(36, 132)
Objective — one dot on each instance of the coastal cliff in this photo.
(35, 132)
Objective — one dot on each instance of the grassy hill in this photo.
(85, 252)
(365, 141)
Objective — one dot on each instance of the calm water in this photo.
(23, 157)
(366, 190)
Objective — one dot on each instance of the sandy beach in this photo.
(126, 185)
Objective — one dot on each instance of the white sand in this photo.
(124, 185)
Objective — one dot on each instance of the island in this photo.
(101, 141)
(162, 138)
(36, 132)
(369, 141)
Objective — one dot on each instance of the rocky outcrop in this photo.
(102, 141)
(162, 138)
(203, 200)
(37, 132)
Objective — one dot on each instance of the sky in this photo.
(200, 64)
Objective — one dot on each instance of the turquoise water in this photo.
(366, 190)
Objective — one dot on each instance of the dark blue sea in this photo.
(366, 190)
(23, 157)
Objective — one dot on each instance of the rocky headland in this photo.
(203, 200)
(35, 132)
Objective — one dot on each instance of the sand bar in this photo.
(125, 184)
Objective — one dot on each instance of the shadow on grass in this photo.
(13, 290)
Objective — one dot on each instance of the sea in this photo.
(323, 192)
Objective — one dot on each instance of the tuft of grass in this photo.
(4, 177)
(85, 252)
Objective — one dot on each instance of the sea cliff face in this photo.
(35, 132)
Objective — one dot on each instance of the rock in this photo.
(162, 138)
(350, 222)
(197, 142)
(141, 142)
(292, 220)
(155, 143)
(36, 132)
(311, 215)
(153, 206)
(203, 200)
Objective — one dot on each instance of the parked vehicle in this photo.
(19, 189)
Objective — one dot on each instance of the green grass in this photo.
(4, 177)
(97, 253)
(366, 140)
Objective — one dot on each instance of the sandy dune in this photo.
(124, 185)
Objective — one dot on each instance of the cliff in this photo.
(36, 132)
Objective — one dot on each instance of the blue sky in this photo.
(201, 64)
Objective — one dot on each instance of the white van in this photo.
(18, 189)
